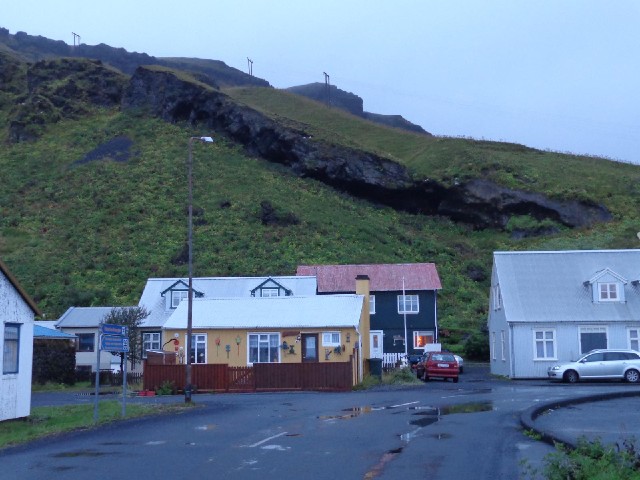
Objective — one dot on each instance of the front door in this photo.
(309, 347)
(376, 343)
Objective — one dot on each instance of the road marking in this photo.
(403, 404)
(267, 440)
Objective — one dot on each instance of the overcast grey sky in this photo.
(562, 75)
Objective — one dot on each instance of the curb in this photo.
(528, 417)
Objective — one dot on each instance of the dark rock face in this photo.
(480, 203)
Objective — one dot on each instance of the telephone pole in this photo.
(250, 66)
(327, 88)
(75, 37)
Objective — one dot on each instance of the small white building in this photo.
(549, 307)
(17, 312)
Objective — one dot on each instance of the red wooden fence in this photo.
(260, 377)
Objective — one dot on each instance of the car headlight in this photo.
(555, 367)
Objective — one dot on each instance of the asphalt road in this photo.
(436, 430)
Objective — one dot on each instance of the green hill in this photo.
(94, 189)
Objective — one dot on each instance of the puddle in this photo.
(441, 436)
(79, 453)
(353, 412)
(206, 427)
(426, 421)
(471, 407)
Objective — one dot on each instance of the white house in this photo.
(84, 324)
(17, 312)
(554, 306)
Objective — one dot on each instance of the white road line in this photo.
(267, 440)
(403, 404)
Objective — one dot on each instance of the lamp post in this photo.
(188, 387)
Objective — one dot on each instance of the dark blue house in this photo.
(403, 301)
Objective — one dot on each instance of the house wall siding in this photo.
(15, 389)
(238, 354)
(391, 322)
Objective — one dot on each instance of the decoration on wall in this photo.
(238, 340)
(228, 349)
(348, 337)
(291, 350)
(217, 346)
(181, 354)
(398, 338)
(338, 350)
(327, 353)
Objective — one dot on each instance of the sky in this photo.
(560, 75)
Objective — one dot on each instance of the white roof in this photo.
(318, 311)
(83, 317)
(556, 285)
(214, 287)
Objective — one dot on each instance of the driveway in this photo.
(437, 430)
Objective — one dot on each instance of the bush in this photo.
(476, 347)
(54, 361)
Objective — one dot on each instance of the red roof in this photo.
(383, 277)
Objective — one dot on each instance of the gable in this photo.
(270, 285)
(23, 294)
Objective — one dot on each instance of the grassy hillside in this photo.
(97, 205)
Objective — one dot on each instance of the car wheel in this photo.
(455, 380)
(461, 369)
(425, 378)
(570, 376)
(632, 376)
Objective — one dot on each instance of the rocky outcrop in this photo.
(352, 103)
(480, 203)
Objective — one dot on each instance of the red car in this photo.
(438, 365)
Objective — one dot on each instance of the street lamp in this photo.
(188, 387)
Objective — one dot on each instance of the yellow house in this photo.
(291, 329)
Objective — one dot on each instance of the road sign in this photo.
(112, 329)
(114, 343)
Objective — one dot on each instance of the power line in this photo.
(250, 66)
(75, 37)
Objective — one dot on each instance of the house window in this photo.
(372, 304)
(634, 338)
(592, 338)
(264, 348)
(86, 342)
(331, 339)
(493, 345)
(11, 350)
(502, 344)
(269, 292)
(177, 296)
(608, 292)
(150, 341)
(544, 344)
(497, 298)
(421, 339)
(199, 348)
(408, 304)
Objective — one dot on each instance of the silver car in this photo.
(600, 364)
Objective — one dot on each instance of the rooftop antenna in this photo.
(75, 37)
(250, 66)
(327, 88)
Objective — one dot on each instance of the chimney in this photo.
(362, 288)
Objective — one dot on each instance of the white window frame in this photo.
(178, 296)
(592, 329)
(199, 343)
(493, 345)
(331, 339)
(421, 333)
(372, 304)
(503, 344)
(609, 292)
(633, 337)
(11, 349)
(273, 346)
(151, 343)
(497, 298)
(409, 304)
(544, 341)
(269, 292)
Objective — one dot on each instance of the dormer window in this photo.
(607, 286)
(177, 296)
(608, 292)
(269, 292)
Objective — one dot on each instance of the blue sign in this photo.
(114, 343)
(112, 329)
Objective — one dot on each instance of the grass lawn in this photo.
(45, 421)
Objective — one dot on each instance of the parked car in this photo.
(413, 360)
(438, 365)
(599, 364)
